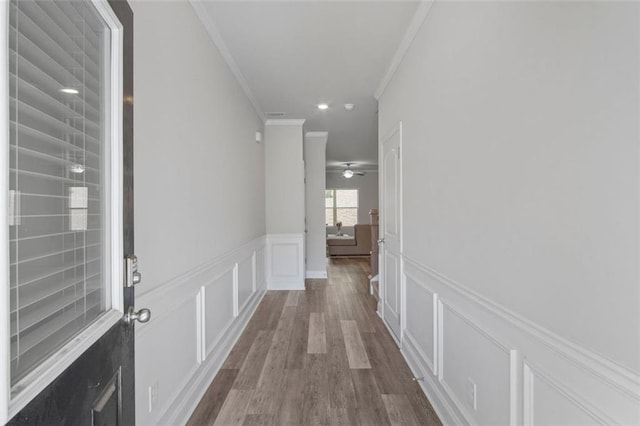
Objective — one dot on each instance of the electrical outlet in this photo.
(472, 393)
(153, 395)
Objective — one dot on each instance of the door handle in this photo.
(381, 241)
(143, 315)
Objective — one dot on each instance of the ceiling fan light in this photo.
(348, 173)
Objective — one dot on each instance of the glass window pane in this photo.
(328, 198)
(346, 198)
(348, 216)
(58, 169)
(328, 217)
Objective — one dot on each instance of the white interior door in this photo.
(391, 230)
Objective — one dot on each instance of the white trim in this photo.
(5, 347)
(291, 281)
(591, 410)
(116, 155)
(589, 383)
(221, 265)
(201, 324)
(528, 383)
(203, 14)
(316, 275)
(515, 388)
(616, 375)
(192, 288)
(285, 122)
(414, 26)
(235, 290)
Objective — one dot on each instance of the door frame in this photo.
(396, 128)
(120, 222)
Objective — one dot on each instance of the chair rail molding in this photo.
(197, 318)
(508, 369)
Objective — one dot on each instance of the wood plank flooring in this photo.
(316, 357)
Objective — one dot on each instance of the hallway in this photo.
(321, 356)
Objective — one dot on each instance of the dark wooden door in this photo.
(98, 387)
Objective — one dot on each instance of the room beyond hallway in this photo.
(319, 356)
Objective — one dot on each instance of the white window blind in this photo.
(341, 205)
(58, 168)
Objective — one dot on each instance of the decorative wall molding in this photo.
(285, 261)
(536, 382)
(197, 318)
(203, 14)
(540, 367)
(416, 22)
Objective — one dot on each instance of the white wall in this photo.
(284, 176)
(315, 147)
(199, 174)
(520, 156)
(284, 181)
(199, 208)
(366, 185)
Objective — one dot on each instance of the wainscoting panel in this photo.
(174, 334)
(421, 322)
(285, 262)
(261, 262)
(245, 281)
(217, 315)
(519, 372)
(196, 319)
(549, 402)
(475, 369)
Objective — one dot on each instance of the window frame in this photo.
(335, 208)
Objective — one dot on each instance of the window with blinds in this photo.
(58, 201)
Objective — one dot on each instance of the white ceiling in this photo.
(293, 55)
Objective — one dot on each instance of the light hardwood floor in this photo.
(316, 357)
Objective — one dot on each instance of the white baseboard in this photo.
(285, 286)
(315, 275)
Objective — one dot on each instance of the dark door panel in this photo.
(98, 388)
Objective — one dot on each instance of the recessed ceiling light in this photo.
(349, 107)
(69, 91)
(323, 106)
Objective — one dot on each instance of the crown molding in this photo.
(202, 13)
(285, 122)
(416, 22)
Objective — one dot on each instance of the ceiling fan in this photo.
(349, 173)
